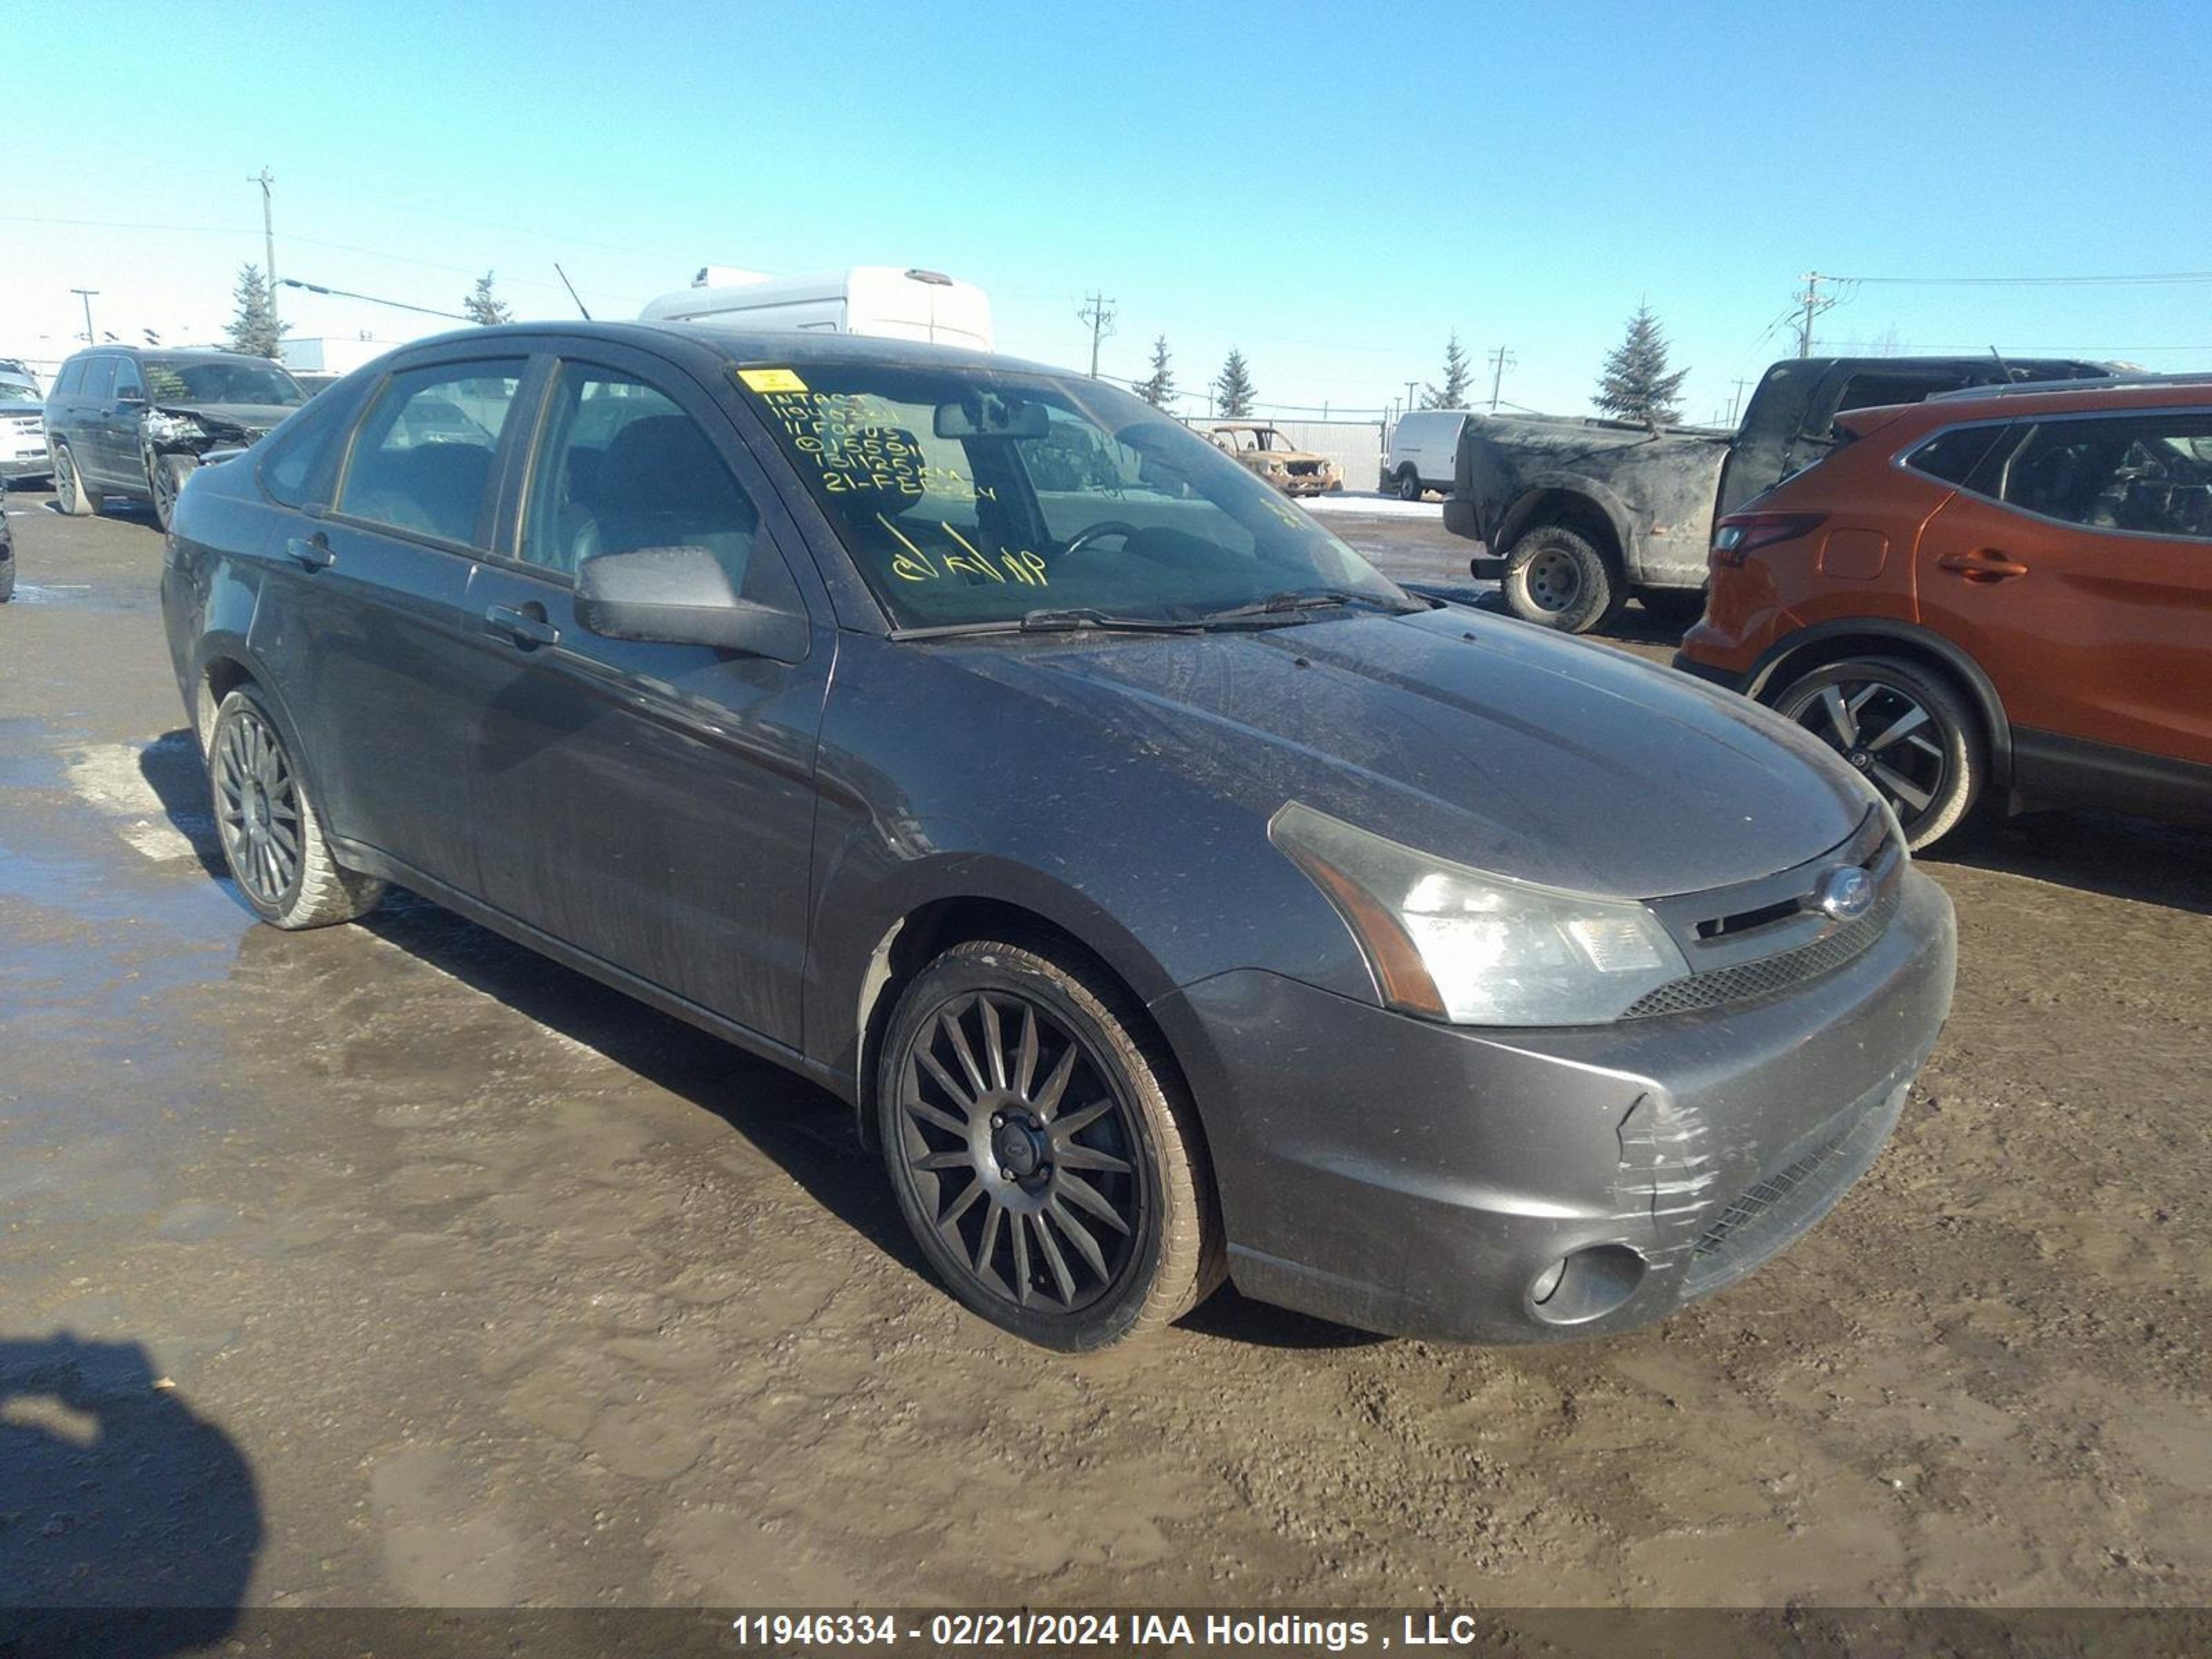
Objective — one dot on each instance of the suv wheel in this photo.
(1409, 485)
(75, 496)
(165, 477)
(1904, 730)
(272, 836)
(1047, 1162)
(1557, 579)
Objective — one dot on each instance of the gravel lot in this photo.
(393, 1265)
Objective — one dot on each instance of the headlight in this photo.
(164, 427)
(1457, 944)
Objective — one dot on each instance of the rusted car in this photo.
(1262, 450)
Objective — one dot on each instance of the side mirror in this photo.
(682, 595)
(130, 394)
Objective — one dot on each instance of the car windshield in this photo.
(218, 380)
(970, 497)
(13, 392)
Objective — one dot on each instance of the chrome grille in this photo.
(1769, 975)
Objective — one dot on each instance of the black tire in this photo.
(1043, 1149)
(165, 477)
(7, 579)
(1930, 769)
(1409, 485)
(272, 837)
(72, 495)
(1555, 578)
(1677, 606)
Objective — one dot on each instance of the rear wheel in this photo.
(1905, 730)
(75, 496)
(272, 836)
(1409, 485)
(7, 578)
(1041, 1150)
(1556, 578)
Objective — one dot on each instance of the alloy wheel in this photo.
(258, 807)
(1886, 734)
(1021, 1152)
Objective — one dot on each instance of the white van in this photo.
(879, 300)
(1424, 451)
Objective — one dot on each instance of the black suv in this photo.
(123, 421)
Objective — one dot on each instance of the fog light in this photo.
(1586, 1284)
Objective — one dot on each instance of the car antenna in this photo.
(571, 287)
(2003, 368)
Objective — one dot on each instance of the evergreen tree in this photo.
(1159, 386)
(1452, 394)
(1233, 391)
(254, 328)
(1636, 385)
(482, 307)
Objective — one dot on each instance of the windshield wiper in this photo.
(1294, 600)
(1070, 621)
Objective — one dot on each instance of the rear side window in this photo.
(1960, 456)
(2148, 474)
(422, 459)
(621, 467)
(72, 379)
(296, 457)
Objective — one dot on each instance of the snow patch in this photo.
(110, 778)
(1373, 507)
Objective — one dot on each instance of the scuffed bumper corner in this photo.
(1402, 1177)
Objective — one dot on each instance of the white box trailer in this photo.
(882, 302)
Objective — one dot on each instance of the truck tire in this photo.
(7, 579)
(1409, 485)
(1556, 579)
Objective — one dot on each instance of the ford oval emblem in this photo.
(1846, 894)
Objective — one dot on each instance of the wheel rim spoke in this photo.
(1078, 1235)
(1054, 1260)
(928, 1114)
(1047, 1099)
(951, 1220)
(1904, 724)
(950, 1024)
(1021, 1261)
(1026, 1059)
(1840, 715)
(986, 1245)
(994, 1042)
(1076, 1189)
(1065, 1129)
(961, 1097)
(1902, 787)
(1088, 1158)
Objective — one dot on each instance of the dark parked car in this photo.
(1173, 895)
(7, 550)
(124, 421)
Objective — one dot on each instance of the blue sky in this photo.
(1334, 188)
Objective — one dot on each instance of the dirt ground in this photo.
(391, 1265)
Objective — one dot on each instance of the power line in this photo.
(2027, 282)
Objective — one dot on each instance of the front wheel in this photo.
(1042, 1151)
(1409, 485)
(1557, 579)
(165, 477)
(1904, 730)
(272, 835)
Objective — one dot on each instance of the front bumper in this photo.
(1421, 1179)
(29, 464)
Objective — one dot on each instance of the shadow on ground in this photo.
(2121, 858)
(129, 1525)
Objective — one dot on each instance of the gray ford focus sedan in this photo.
(1172, 896)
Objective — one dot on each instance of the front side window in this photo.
(422, 459)
(621, 467)
(127, 383)
(100, 379)
(2149, 474)
(977, 497)
(221, 381)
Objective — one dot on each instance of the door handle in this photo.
(1983, 564)
(519, 626)
(312, 552)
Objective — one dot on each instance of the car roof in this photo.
(781, 348)
(212, 352)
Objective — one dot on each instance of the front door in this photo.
(652, 804)
(2082, 582)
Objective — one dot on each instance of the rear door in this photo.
(94, 421)
(650, 804)
(2079, 578)
(384, 648)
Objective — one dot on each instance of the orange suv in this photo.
(1994, 599)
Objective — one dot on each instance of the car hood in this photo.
(1480, 738)
(253, 417)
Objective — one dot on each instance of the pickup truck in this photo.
(1577, 515)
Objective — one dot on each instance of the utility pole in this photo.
(1410, 385)
(264, 179)
(1737, 402)
(1500, 361)
(1814, 303)
(1098, 312)
(86, 294)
